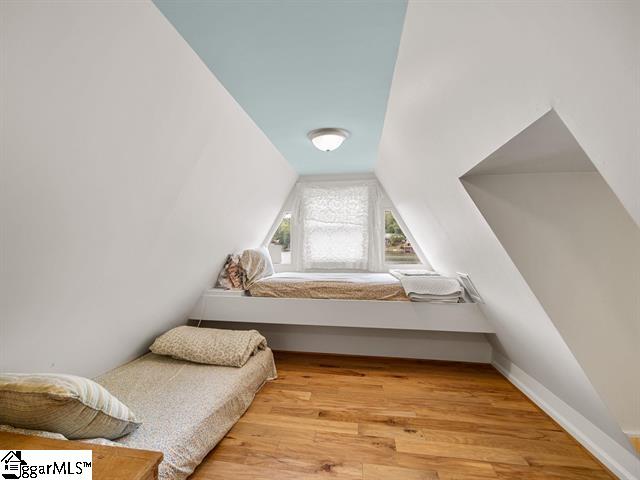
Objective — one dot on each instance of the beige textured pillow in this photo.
(256, 264)
(74, 406)
(230, 348)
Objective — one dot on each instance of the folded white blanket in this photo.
(440, 286)
(416, 297)
(430, 288)
(398, 273)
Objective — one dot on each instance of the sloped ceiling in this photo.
(544, 146)
(469, 77)
(296, 66)
(575, 245)
(124, 163)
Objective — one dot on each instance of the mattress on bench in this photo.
(186, 408)
(344, 286)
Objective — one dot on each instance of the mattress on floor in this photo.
(343, 286)
(186, 408)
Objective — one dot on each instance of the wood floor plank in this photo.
(512, 472)
(385, 472)
(501, 442)
(281, 394)
(359, 418)
(447, 467)
(299, 423)
(467, 452)
(216, 470)
(306, 465)
(635, 441)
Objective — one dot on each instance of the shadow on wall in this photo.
(577, 248)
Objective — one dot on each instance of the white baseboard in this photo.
(620, 461)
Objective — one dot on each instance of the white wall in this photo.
(469, 76)
(460, 347)
(579, 252)
(128, 173)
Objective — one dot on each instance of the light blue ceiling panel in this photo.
(299, 65)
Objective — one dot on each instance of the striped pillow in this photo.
(74, 406)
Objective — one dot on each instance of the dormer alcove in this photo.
(396, 248)
(575, 245)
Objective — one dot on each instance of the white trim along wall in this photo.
(624, 464)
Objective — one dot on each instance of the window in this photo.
(397, 248)
(340, 225)
(335, 226)
(280, 245)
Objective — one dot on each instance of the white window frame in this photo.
(287, 207)
(283, 267)
(385, 204)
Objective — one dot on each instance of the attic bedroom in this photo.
(391, 240)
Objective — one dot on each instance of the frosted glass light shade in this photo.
(328, 139)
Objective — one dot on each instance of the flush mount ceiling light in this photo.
(328, 139)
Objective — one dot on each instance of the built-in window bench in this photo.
(219, 305)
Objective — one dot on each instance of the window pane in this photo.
(397, 249)
(280, 246)
(335, 222)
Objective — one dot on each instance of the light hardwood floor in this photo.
(337, 417)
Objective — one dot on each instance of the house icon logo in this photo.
(11, 464)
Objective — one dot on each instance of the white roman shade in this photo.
(336, 226)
